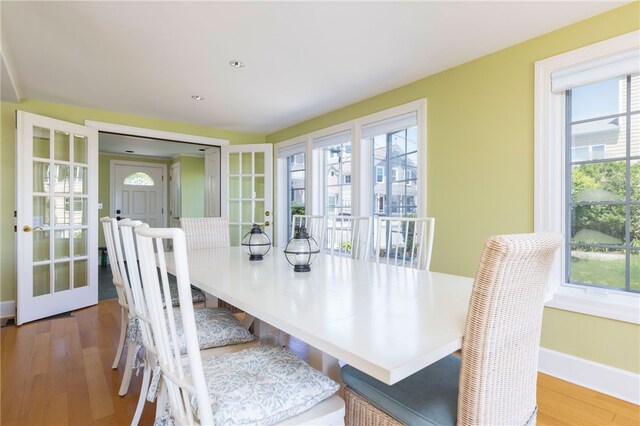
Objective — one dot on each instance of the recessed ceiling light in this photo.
(197, 97)
(236, 64)
(130, 152)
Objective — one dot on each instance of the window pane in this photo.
(61, 146)
(598, 224)
(80, 149)
(61, 183)
(40, 177)
(598, 99)
(80, 180)
(635, 270)
(599, 182)
(80, 242)
(635, 180)
(605, 267)
(635, 135)
(62, 276)
(61, 244)
(41, 142)
(601, 139)
(41, 280)
(80, 274)
(635, 225)
(41, 247)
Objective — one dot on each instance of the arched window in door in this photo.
(139, 179)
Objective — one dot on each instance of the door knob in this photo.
(27, 228)
(267, 223)
(118, 218)
(267, 213)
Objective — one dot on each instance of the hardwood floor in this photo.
(57, 372)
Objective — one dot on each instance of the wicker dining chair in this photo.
(495, 383)
(259, 385)
(218, 331)
(206, 233)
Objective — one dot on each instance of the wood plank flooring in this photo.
(58, 372)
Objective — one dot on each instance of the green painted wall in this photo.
(192, 183)
(480, 166)
(78, 115)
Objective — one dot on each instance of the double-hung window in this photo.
(334, 154)
(394, 153)
(292, 175)
(588, 175)
(371, 166)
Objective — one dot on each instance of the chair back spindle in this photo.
(348, 236)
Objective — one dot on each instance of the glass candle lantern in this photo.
(301, 250)
(256, 243)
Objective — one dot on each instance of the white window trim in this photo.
(549, 196)
(360, 202)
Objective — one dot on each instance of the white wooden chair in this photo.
(349, 236)
(209, 321)
(495, 383)
(405, 241)
(315, 226)
(228, 388)
(206, 232)
(128, 326)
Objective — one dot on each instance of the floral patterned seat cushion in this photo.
(262, 385)
(197, 295)
(216, 327)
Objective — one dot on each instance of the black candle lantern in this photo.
(301, 250)
(256, 243)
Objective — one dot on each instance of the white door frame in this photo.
(112, 184)
(175, 197)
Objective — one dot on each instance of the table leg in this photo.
(264, 331)
(325, 363)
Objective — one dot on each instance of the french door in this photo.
(57, 216)
(246, 191)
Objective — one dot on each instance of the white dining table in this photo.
(385, 320)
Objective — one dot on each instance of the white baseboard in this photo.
(612, 381)
(8, 309)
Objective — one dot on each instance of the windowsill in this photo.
(598, 302)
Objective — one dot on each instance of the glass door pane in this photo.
(247, 189)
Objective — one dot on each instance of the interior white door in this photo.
(246, 190)
(138, 190)
(175, 195)
(212, 182)
(57, 216)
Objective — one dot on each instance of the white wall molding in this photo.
(8, 309)
(612, 381)
(155, 134)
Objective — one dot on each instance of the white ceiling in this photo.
(302, 59)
